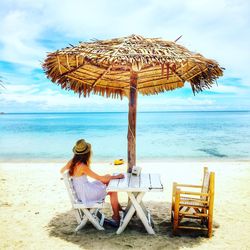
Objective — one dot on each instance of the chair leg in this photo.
(89, 215)
(100, 216)
(82, 224)
(210, 226)
(211, 205)
(173, 201)
(176, 211)
(93, 220)
(78, 215)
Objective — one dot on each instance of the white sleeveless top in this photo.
(89, 192)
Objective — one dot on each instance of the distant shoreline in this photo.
(139, 162)
(122, 112)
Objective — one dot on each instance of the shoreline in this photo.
(139, 162)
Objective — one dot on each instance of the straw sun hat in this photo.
(81, 147)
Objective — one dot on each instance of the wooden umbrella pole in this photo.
(132, 121)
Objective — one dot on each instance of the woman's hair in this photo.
(79, 158)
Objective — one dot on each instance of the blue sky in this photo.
(29, 29)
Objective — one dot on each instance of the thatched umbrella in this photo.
(125, 66)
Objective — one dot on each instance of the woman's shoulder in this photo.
(80, 169)
(80, 165)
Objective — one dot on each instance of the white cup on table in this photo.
(136, 170)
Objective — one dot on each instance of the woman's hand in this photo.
(119, 176)
(106, 178)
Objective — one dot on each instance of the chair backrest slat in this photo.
(68, 183)
(205, 183)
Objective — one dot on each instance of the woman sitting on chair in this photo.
(90, 192)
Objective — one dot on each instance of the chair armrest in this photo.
(188, 185)
(194, 193)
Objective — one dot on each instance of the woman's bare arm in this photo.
(66, 167)
(103, 178)
(86, 170)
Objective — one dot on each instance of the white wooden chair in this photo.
(84, 213)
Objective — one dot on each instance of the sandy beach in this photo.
(35, 211)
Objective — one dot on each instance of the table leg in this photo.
(140, 213)
(147, 213)
(130, 210)
(130, 204)
(126, 220)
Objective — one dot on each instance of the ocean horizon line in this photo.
(96, 112)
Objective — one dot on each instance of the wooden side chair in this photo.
(83, 212)
(194, 202)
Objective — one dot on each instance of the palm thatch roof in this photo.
(103, 67)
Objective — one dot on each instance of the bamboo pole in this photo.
(132, 121)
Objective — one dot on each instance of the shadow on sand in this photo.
(134, 236)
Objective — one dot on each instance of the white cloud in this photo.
(18, 39)
(224, 89)
(20, 88)
(173, 103)
(52, 100)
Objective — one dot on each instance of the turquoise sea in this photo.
(160, 135)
